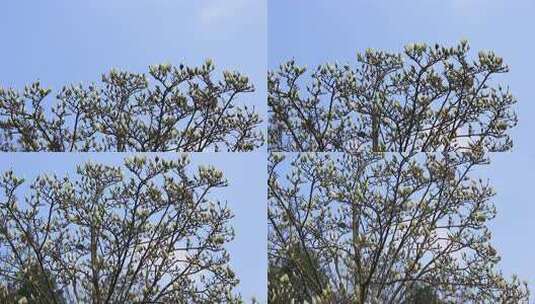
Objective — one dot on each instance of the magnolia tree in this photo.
(143, 232)
(427, 98)
(170, 109)
(380, 226)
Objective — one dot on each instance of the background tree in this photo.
(421, 294)
(382, 225)
(295, 273)
(427, 98)
(30, 285)
(144, 232)
(170, 109)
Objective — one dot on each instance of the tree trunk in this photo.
(95, 267)
(375, 130)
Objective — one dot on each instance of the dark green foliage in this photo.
(423, 295)
(32, 285)
(299, 269)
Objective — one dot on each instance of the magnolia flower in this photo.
(23, 300)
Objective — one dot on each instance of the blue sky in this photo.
(61, 42)
(315, 31)
(245, 195)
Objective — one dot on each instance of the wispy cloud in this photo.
(475, 8)
(217, 12)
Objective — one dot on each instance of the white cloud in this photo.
(217, 12)
(468, 4)
(476, 8)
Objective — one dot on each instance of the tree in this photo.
(385, 224)
(143, 232)
(171, 109)
(420, 294)
(428, 98)
(291, 275)
(31, 286)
